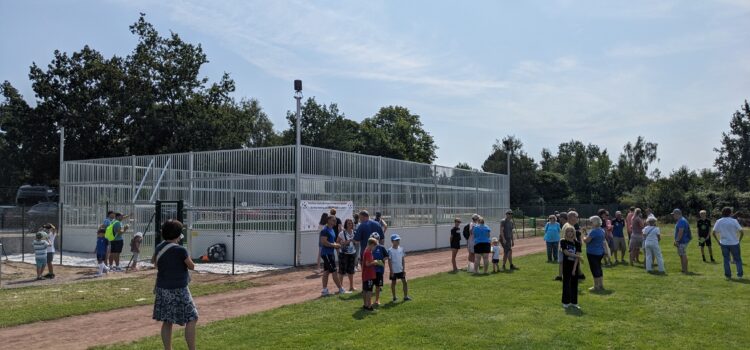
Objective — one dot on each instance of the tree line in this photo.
(580, 173)
(154, 101)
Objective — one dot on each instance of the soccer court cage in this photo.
(418, 201)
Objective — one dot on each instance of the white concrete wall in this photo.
(277, 248)
(271, 248)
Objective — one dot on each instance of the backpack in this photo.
(217, 252)
(467, 233)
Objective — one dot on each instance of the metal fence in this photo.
(262, 181)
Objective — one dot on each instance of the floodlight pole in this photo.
(61, 192)
(297, 167)
(508, 155)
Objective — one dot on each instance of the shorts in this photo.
(50, 257)
(399, 276)
(682, 249)
(618, 244)
(507, 246)
(101, 257)
(41, 262)
(329, 262)
(117, 246)
(378, 279)
(346, 263)
(495, 261)
(482, 248)
(470, 247)
(456, 245)
(706, 243)
(367, 285)
(636, 243)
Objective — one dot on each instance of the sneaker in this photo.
(513, 267)
(395, 299)
(40, 278)
(558, 278)
(576, 306)
(407, 298)
(704, 259)
(325, 292)
(352, 290)
(342, 291)
(49, 275)
(712, 260)
(565, 306)
(98, 274)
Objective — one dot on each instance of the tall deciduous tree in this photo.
(733, 160)
(397, 133)
(151, 101)
(522, 169)
(323, 126)
(632, 166)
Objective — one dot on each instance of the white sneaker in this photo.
(565, 306)
(106, 269)
(576, 306)
(325, 292)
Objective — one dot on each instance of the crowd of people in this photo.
(607, 238)
(359, 244)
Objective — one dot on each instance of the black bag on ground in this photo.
(217, 252)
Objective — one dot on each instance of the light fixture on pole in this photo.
(297, 167)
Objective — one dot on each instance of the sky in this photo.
(602, 72)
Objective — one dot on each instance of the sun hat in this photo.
(139, 234)
(375, 235)
(395, 237)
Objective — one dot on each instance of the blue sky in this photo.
(602, 72)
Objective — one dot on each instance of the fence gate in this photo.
(168, 210)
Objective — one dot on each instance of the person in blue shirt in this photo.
(328, 246)
(552, 238)
(595, 252)
(101, 252)
(682, 237)
(379, 253)
(365, 229)
(618, 237)
(482, 247)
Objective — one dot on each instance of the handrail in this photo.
(143, 180)
(158, 182)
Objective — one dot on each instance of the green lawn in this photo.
(510, 310)
(32, 304)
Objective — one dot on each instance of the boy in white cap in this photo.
(397, 266)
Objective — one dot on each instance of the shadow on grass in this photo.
(391, 305)
(571, 311)
(602, 292)
(657, 274)
(740, 281)
(361, 314)
(691, 273)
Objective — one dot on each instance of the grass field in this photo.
(519, 310)
(32, 304)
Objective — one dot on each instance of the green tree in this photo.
(151, 101)
(733, 161)
(462, 165)
(323, 126)
(632, 166)
(551, 186)
(522, 169)
(395, 132)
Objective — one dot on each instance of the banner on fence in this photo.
(311, 211)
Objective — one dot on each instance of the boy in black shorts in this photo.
(379, 253)
(368, 273)
(704, 239)
(397, 266)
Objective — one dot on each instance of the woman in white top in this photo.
(652, 238)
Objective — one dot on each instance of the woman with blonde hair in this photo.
(636, 239)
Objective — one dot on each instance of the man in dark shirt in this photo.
(704, 239)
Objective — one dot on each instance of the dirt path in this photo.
(277, 289)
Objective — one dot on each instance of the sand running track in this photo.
(274, 290)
